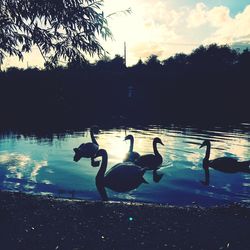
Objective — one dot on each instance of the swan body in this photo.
(151, 161)
(131, 156)
(229, 165)
(223, 164)
(122, 177)
(87, 150)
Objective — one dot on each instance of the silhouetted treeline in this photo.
(211, 84)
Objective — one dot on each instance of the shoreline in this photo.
(28, 221)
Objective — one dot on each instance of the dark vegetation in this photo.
(209, 85)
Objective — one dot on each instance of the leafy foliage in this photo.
(62, 29)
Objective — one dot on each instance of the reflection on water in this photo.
(44, 164)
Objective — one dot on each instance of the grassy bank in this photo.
(39, 222)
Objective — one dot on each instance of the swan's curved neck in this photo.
(155, 148)
(207, 152)
(100, 176)
(103, 168)
(131, 144)
(93, 137)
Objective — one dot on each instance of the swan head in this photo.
(129, 137)
(205, 143)
(101, 153)
(158, 140)
(95, 129)
(78, 152)
(77, 156)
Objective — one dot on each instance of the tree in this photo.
(153, 62)
(61, 29)
(177, 61)
(117, 63)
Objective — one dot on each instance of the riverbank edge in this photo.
(55, 223)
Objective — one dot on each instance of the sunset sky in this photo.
(165, 27)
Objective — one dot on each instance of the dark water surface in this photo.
(44, 164)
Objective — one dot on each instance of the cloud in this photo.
(219, 16)
(201, 14)
(197, 16)
(225, 29)
(233, 31)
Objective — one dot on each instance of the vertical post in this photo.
(125, 55)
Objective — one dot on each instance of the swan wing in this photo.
(225, 164)
(150, 161)
(124, 177)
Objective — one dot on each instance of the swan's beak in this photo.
(202, 145)
(162, 143)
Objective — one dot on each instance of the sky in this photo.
(167, 27)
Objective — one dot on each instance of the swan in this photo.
(89, 149)
(151, 161)
(131, 155)
(224, 164)
(122, 177)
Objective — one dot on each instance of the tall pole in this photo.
(125, 54)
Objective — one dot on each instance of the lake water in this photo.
(43, 164)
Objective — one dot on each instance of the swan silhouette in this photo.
(131, 155)
(151, 161)
(223, 164)
(89, 149)
(122, 177)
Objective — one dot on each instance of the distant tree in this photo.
(244, 58)
(117, 62)
(198, 55)
(78, 64)
(214, 55)
(153, 62)
(176, 60)
(60, 29)
(106, 63)
(103, 62)
(222, 54)
(139, 65)
(14, 70)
